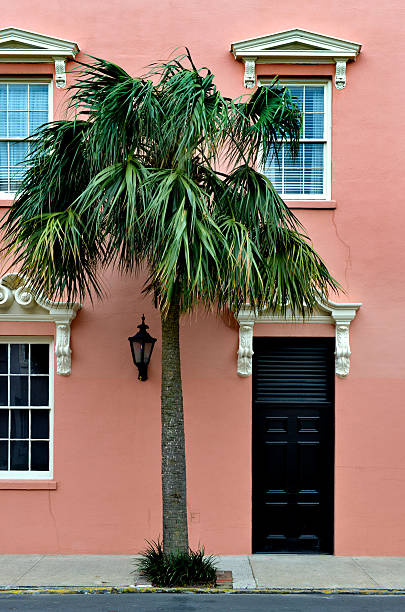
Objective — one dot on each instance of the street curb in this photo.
(92, 590)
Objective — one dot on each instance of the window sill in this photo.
(28, 485)
(311, 204)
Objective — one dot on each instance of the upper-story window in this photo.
(307, 176)
(24, 106)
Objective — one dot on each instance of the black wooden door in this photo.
(293, 445)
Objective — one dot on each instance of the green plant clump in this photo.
(182, 569)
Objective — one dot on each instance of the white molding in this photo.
(339, 315)
(60, 73)
(250, 69)
(24, 46)
(245, 352)
(18, 303)
(295, 46)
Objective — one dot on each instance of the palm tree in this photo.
(159, 173)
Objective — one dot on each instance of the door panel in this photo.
(293, 446)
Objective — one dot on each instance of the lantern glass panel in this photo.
(137, 346)
(148, 351)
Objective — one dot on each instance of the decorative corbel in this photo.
(60, 73)
(342, 352)
(342, 318)
(245, 352)
(340, 73)
(63, 315)
(250, 72)
(62, 348)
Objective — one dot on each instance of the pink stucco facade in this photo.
(107, 496)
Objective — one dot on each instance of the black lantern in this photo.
(141, 348)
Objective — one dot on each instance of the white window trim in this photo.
(327, 178)
(26, 474)
(10, 195)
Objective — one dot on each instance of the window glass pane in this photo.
(17, 96)
(314, 99)
(3, 124)
(17, 125)
(297, 93)
(19, 358)
(3, 96)
(4, 423)
(293, 181)
(19, 424)
(18, 390)
(37, 119)
(18, 455)
(4, 179)
(314, 125)
(3, 455)
(293, 162)
(39, 97)
(18, 151)
(16, 176)
(39, 358)
(275, 176)
(3, 153)
(313, 181)
(39, 424)
(313, 155)
(39, 390)
(275, 161)
(3, 358)
(3, 391)
(40, 456)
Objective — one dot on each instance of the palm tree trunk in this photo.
(175, 533)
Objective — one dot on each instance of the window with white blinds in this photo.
(23, 108)
(305, 176)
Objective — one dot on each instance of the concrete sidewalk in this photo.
(289, 572)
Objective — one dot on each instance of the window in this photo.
(23, 108)
(307, 176)
(25, 409)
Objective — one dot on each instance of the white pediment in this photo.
(295, 47)
(18, 45)
(338, 314)
(19, 303)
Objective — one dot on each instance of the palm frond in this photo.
(161, 171)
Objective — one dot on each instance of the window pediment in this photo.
(338, 314)
(18, 303)
(18, 45)
(295, 47)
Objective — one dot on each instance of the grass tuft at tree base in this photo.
(182, 569)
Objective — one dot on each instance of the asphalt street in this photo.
(161, 602)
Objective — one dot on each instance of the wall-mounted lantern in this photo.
(141, 348)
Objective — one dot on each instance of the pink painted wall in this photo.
(107, 424)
